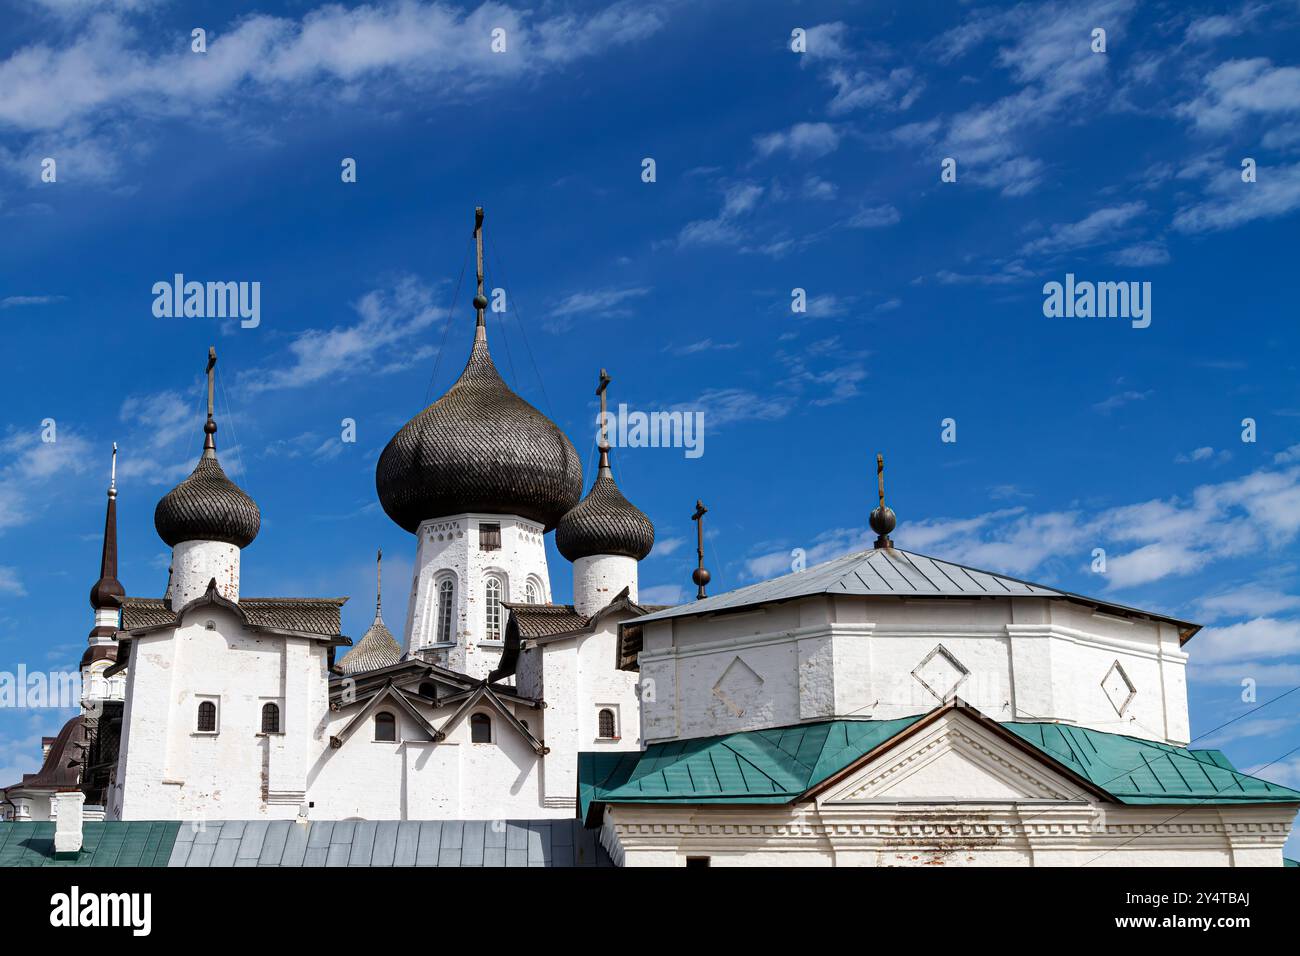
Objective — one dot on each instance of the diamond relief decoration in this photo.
(1118, 688)
(941, 673)
(738, 687)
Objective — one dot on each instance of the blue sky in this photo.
(774, 171)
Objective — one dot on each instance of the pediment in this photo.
(954, 759)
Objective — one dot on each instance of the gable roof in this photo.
(485, 693)
(389, 692)
(784, 764)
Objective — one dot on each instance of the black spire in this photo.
(106, 591)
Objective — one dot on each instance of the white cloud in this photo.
(666, 546)
(10, 583)
(1141, 254)
(93, 83)
(1238, 89)
(29, 466)
(1119, 400)
(389, 322)
(1252, 600)
(1232, 203)
(594, 304)
(14, 301)
(802, 140)
(1259, 638)
(1095, 228)
(874, 217)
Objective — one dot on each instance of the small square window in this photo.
(698, 861)
(489, 537)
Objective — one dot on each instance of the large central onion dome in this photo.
(478, 448)
(207, 506)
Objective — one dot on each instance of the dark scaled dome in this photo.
(604, 522)
(207, 506)
(478, 448)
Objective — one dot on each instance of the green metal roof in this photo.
(782, 764)
(130, 843)
(1138, 771)
(757, 766)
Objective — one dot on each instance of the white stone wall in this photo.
(1023, 659)
(417, 779)
(170, 770)
(598, 579)
(195, 563)
(448, 549)
(577, 678)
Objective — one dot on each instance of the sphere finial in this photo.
(883, 519)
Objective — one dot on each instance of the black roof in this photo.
(604, 522)
(207, 506)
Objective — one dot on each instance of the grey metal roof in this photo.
(284, 843)
(887, 572)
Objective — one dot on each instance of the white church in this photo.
(881, 709)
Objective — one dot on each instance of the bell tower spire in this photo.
(107, 590)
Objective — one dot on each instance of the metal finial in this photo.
(701, 576)
(112, 474)
(480, 300)
(883, 518)
(210, 426)
(604, 432)
(379, 581)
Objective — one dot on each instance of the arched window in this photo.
(492, 608)
(605, 724)
(270, 718)
(530, 593)
(207, 717)
(480, 729)
(385, 726)
(446, 598)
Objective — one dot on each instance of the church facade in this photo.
(884, 708)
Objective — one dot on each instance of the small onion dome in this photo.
(479, 448)
(604, 522)
(207, 506)
(377, 648)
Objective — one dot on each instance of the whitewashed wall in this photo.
(449, 548)
(822, 657)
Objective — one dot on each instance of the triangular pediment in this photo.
(954, 758)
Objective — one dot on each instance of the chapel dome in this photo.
(478, 448)
(604, 522)
(207, 506)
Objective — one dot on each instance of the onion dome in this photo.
(604, 522)
(207, 506)
(377, 647)
(478, 448)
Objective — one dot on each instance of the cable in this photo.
(446, 326)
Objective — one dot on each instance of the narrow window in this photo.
(697, 861)
(446, 594)
(207, 717)
(385, 726)
(605, 723)
(492, 608)
(489, 537)
(270, 718)
(480, 729)
(530, 593)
